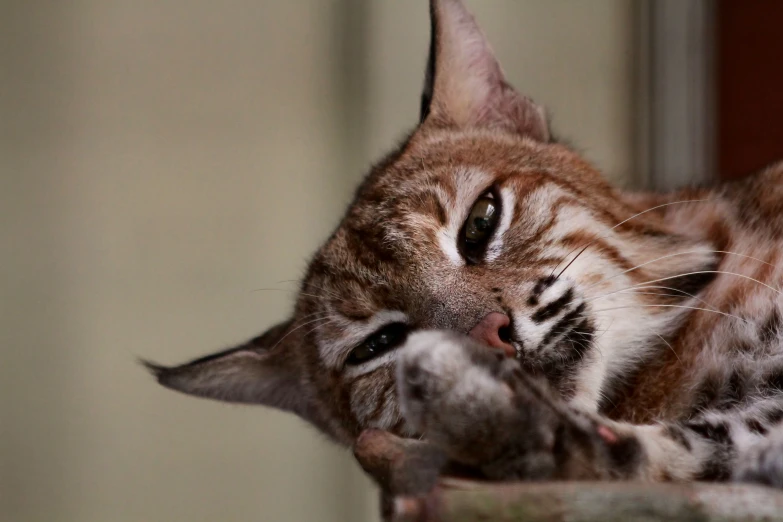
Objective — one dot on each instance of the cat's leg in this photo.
(762, 463)
(485, 412)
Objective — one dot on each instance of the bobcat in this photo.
(489, 291)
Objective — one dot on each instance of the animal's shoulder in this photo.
(758, 199)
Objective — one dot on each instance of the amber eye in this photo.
(387, 338)
(479, 226)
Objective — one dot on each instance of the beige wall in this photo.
(161, 160)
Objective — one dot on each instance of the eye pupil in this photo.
(387, 338)
(479, 227)
(482, 224)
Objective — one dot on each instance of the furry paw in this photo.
(762, 463)
(465, 398)
(483, 410)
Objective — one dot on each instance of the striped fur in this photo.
(649, 327)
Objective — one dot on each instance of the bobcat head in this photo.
(479, 223)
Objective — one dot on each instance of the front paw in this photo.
(762, 463)
(483, 410)
(467, 399)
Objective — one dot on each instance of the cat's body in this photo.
(610, 335)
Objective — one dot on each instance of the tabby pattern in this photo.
(488, 290)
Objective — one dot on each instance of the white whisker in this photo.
(330, 293)
(681, 254)
(303, 325)
(617, 225)
(661, 206)
(643, 286)
(712, 272)
(672, 306)
(321, 325)
(670, 346)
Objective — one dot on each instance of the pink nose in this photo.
(488, 329)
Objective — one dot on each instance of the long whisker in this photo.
(595, 343)
(657, 294)
(321, 325)
(622, 223)
(710, 272)
(267, 289)
(670, 347)
(673, 306)
(300, 326)
(306, 316)
(645, 286)
(585, 348)
(574, 259)
(322, 313)
(661, 206)
(322, 297)
(331, 293)
(560, 334)
(681, 254)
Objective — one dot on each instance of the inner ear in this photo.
(464, 84)
(261, 371)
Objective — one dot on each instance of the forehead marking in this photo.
(469, 183)
(448, 244)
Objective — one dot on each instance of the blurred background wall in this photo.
(159, 162)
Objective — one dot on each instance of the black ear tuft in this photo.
(429, 75)
(155, 369)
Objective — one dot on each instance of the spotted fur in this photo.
(648, 327)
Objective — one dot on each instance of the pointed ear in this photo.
(464, 84)
(261, 371)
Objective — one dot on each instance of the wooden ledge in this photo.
(454, 500)
(417, 485)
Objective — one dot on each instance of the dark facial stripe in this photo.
(562, 369)
(541, 285)
(693, 283)
(553, 308)
(429, 204)
(576, 344)
(598, 245)
(563, 325)
(581, 337)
